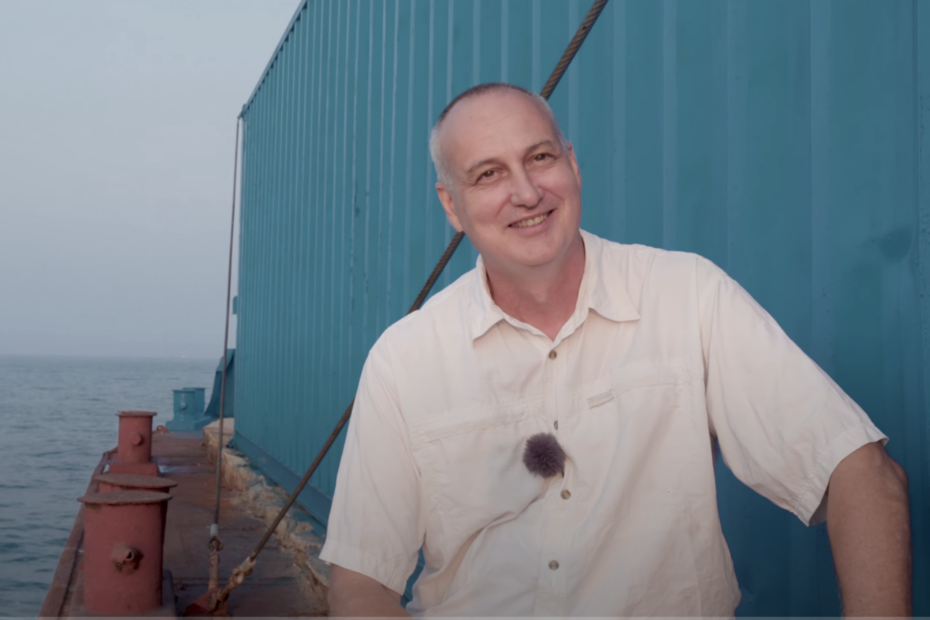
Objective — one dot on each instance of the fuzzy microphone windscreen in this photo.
(543, 455)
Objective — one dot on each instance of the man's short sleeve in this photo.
(375, 523)
(782, 423)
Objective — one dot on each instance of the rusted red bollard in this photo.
(134, 448)
(132, 482)
(107, 483)
(123, 540)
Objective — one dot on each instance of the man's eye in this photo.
(487, 174)
(541, 156)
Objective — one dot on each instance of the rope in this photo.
(245, 568)
(215, 544)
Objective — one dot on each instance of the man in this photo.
(635, 360)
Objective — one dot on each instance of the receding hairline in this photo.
(502, 88)
(486, 89)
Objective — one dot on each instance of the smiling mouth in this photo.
(533, 221)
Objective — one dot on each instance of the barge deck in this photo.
(282, 584)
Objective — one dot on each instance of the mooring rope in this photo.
(244, 569)
(215, 544)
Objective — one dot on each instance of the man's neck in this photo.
(544, 298)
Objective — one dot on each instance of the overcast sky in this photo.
(117, 125)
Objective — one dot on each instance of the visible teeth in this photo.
(536, 220)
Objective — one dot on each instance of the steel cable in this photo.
(569, 54)
(215, 544)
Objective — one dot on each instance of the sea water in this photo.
(57, 417)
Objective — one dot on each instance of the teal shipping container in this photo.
(786, 140)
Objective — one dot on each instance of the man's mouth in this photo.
(533, 221)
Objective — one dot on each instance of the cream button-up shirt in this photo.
(663, 355)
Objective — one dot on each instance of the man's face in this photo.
(515, 192)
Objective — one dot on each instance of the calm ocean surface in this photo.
(57, 416)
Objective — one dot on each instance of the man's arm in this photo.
(869, 527)
(376, 523)
(356, 595)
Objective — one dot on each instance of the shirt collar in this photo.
(609, 299)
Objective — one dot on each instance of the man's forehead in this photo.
(489, 106)
(480, 122)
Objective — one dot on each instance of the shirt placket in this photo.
(554, 559)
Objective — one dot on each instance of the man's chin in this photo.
(539, 260)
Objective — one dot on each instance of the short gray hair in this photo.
(435, 148)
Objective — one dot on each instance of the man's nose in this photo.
(524, 192)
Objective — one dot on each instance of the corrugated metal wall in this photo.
(784, 139)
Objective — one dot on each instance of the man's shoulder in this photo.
(641, 262)
(441, 318)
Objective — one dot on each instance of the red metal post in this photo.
(123, 542)
(135, 482)
(134, 448)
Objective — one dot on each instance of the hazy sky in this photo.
(117, 125)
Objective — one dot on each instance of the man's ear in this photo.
(446, 199)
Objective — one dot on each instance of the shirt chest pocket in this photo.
(634, 389)
(632, 423)
(471, 464)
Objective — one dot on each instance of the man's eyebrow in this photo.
(483, 162)
(491, 160)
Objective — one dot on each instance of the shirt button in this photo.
(552, 354)
(553, 565)
(566, 494)
(556, 425)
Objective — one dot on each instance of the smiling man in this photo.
(634, 362)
